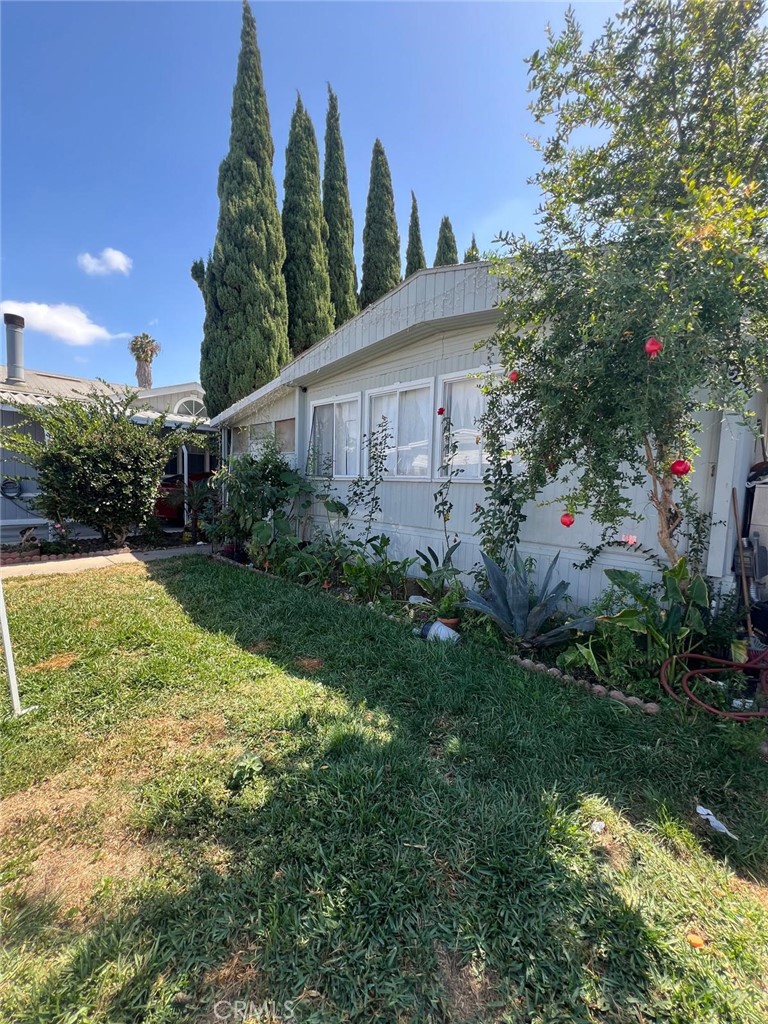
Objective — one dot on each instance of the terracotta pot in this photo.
(450, 623)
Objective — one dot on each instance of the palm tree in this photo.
(144, 348)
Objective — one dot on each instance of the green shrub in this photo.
(96, 466)
(265, 497)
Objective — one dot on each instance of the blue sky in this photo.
(115, 116)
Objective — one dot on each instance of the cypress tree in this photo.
(338, 216)
(307, 285)
(381, 241)
(245, 338)
(414, 254)
(472, 254)
(447, 254)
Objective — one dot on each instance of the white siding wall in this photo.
(407, 505)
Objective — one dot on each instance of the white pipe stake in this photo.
(10, 666)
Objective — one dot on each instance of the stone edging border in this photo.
(649, 707)
(15, 559)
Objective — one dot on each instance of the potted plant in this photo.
(448, 609)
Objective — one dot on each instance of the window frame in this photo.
(269, 432)
(448, 378)
(334, 400)
(203, 414)
(285, 419)
(396, 389)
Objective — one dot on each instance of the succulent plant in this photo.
(518, 610)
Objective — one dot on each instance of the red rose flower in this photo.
(652, 347)
(440, 411)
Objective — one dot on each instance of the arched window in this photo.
(190, 407)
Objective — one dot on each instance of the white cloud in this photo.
(152, 323)
(69, 324)
(109, 261)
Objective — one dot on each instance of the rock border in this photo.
(15, 558)
(8, 558)
(649, 707)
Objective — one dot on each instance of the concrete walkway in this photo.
(99, 561)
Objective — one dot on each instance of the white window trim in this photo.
(395, 389)
(335, 400)
(189, 398)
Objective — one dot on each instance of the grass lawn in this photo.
(409, 838)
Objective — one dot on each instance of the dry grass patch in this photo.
(309, 664)
(261, 647)
(135, 751)
(612, 851)
(58, 662)
(468, 989)
(51, 800)
(70, 876)
(237, 979)
(66, 868)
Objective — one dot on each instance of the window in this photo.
(285, 435)
(259, 432)
(195, 461)
(190, 407)
(408, 412)
(334, 442)
(465, 403)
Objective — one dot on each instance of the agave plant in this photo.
(518, 609)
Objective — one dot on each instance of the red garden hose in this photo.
(709, 667)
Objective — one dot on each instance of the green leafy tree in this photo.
(95, 465)
(414, 254)
(472, 254)
(307, 285)
(143, 348)
(381, 241)
(245, 338)
(338, 216)
(447, 254)
(644, 300)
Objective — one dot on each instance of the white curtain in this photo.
(386, 406)
(464, 403)
(413, 421)
(347, 439)
(408, 416)
(321, 440)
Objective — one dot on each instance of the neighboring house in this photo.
(182, 404)
(414, 350)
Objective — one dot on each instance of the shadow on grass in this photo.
(362, 886)
(505, 720)
(423, 856)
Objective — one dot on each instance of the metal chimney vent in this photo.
(14, 341)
